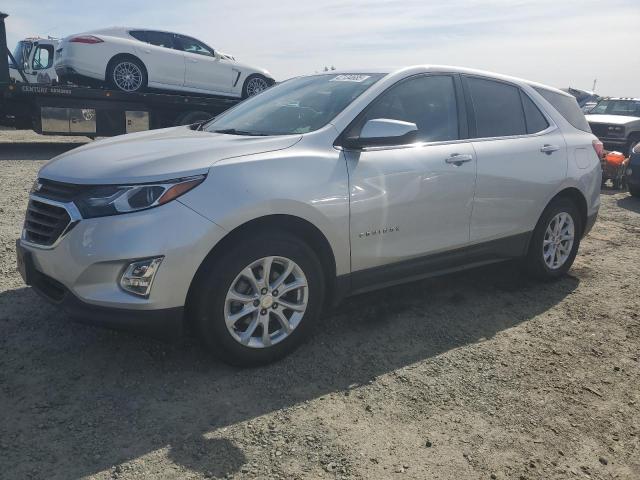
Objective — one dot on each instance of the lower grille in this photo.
(44, 222)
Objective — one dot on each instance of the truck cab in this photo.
(35, 57)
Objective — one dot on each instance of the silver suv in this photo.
(321, 187)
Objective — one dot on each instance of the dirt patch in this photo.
(484, 374)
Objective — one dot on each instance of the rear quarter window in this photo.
(567, 106)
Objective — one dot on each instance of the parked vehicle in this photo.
(323, 186)
(633, 172)
(35, 58)
(131, 60)
(616, 122)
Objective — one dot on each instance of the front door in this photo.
(413, 200)
(205, 70)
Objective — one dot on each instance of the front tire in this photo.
(555, 240)
(255, 84)
(127, 74)
(258, 302)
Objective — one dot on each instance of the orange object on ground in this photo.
(615, 158)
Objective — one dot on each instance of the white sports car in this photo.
(132, 60)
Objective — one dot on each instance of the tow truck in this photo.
(93, 111)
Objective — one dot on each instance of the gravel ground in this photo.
(484, 374)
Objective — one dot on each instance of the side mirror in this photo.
(383, 132)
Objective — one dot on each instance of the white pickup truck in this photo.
(34, 57)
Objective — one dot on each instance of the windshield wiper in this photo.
(233, 131)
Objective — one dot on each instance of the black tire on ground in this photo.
(246, 86)
(123, 59)
(189, 118)
(215, 277)
(634, 191)
(534, 261)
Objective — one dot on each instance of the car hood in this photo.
(611, 119)
(155, 156)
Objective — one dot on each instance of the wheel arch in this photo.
(291, 224)
(578, 198)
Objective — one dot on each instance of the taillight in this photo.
(599, 148)
(86, 39)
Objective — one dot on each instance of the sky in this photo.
(557, 42)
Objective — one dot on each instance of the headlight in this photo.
(106, 200)
(616, 129)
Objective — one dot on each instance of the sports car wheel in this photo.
(127, 75)
(254, 85)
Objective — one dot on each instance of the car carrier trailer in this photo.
(95, 112)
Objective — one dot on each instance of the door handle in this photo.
(458, 159)
(193, 60)
(549, 149)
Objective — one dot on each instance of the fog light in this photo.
(138, 277)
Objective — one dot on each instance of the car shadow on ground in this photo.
(629, 203)
(35, 151)
(78, 400)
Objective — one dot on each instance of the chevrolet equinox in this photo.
(321, 187)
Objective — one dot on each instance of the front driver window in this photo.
(191, 45)
(429, 101)
(43, 57)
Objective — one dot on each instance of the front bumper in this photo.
(82, 272)
(165, 324)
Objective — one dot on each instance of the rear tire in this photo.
(127, 74)
(224, 278)
(561, 219)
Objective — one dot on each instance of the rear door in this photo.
(412, 200)
(521, 158)
(165, 64)
(204, 69)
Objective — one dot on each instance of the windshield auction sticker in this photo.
(350, 78)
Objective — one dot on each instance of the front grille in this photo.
(61, 192)
(601, 131)
(44, 223)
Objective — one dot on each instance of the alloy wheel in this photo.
(266, 302)
(558, 240)
(127, 76)
(256, 85)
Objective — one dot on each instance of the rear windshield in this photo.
(299, 105)
(567, 106)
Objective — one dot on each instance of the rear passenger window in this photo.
(159, 39)
(533, 116)
(498, 108)
(429, 101)
(567, 106)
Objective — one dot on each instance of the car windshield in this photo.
(21, 53)
(299, 105)
(630, 108)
